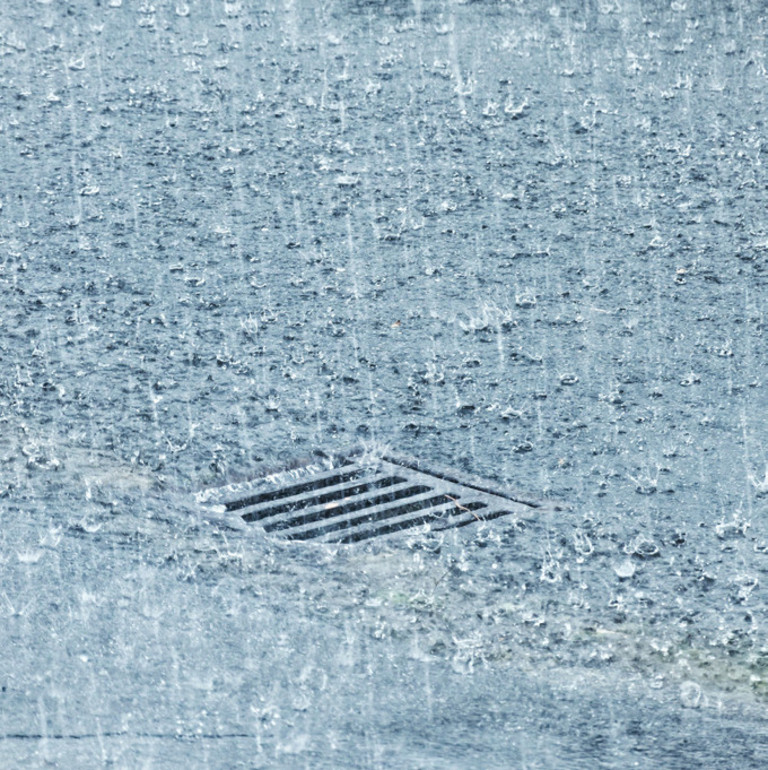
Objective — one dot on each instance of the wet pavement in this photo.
(527, 242)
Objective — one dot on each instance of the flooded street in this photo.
(526, 242)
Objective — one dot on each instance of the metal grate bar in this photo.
(321, 480)
(418, 502)
(327, 498)
(443, 513)
(350, 504)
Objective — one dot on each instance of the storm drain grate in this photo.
(347, 499)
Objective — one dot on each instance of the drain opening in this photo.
(400, 523)
(298, 489)
(355, 497)
(346, 505)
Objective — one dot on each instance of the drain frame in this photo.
(355, 496)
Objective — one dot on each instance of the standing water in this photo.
(526, 240)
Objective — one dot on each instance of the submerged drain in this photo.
(346, 499)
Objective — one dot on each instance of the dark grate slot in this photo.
(397, 526)
(350, 507)
(325, 499)
(386, 513)
(296, 489)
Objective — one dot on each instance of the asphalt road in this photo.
(529, 242)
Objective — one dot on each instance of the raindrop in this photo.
(31, 556)
(582, 543)
(525, 299)
(347, 180)
(642, 547)
(736, 527)
(690, 379)
(516, 110)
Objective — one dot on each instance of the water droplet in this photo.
(525, 299)
(625, 570)
(31, 556)
(690, 695)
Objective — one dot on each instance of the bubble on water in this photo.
(625, 570)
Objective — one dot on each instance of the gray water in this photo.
(527, 240)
